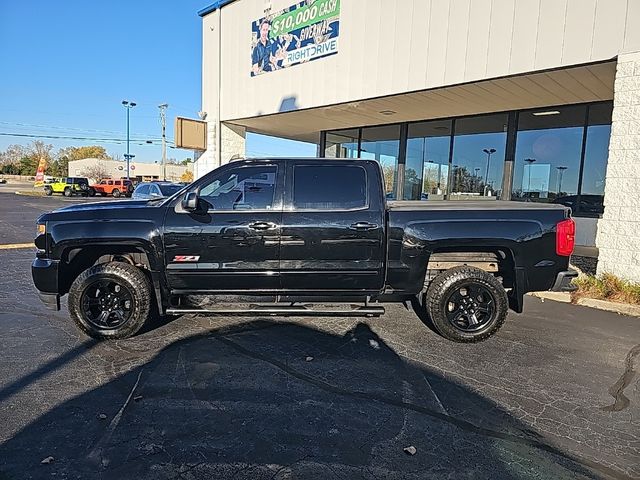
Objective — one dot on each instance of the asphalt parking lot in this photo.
(554, 395)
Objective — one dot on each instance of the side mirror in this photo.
(190, 201)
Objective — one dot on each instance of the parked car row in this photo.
(117, 188)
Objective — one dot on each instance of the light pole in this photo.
(561, 170)
(530, 161)
(489, 152)
(163, 122)
(128, 105)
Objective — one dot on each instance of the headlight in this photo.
(42, 229)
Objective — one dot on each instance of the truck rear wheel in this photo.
(110, 300)
(67, 192)
(466, 304)
(48, 191)
(116, 192)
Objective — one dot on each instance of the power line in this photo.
(83, 130)
(65, 137)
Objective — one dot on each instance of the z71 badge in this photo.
(186, 258)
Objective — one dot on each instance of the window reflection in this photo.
(427, 167)
(382, 144)
(478, 157)
(548, 149)
(342, 144)
(595, 159)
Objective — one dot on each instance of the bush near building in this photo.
(607, 287)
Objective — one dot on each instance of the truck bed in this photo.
(406, 205)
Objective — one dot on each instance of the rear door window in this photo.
(143, 189)
(329, 187)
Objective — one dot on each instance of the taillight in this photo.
(565, 237)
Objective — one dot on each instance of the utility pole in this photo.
(163, 122)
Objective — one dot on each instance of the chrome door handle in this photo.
(363, 226)
(262, 226)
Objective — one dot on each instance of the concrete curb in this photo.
(563, 297)
(621, 308)
(29, 194)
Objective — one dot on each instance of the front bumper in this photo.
(45, 278)
(564, 281)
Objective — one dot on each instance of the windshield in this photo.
(168, 190)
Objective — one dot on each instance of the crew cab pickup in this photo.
(299, 237)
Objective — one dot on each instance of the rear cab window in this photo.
(329, 187)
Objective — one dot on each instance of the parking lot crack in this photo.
(400, 403)
(621, 401)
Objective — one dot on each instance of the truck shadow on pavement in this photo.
(268, 399)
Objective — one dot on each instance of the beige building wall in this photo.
(118, 169)
(392, 46)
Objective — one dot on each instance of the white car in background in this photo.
(153, 190)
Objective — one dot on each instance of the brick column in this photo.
(618, 237)
(232, 142)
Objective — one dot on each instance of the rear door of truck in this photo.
(333, 227)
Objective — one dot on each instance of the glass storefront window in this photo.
(427, 167)
(595, 159)
(382, 144)
(342, 144)
(479, 149)
(550, 145)
(548, 150)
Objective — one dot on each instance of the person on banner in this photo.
(282, 47)
(262, 58)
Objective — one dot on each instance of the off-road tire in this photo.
(133, 278)
(92, 192)
(130, 189)
(48, 191)
(116, 193)
(67, 192)
(443, 285)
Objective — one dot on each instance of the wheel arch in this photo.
(77, 258)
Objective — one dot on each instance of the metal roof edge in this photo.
(218, 4)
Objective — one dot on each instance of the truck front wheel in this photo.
(466, 304)
(110, 300)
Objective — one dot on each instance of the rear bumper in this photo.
(563, 281)
(45, 278)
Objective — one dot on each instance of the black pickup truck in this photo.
(299, 237)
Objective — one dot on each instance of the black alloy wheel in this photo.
(470, 307)
(107, 304)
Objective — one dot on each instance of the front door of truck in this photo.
(232, 243)
(332, 228)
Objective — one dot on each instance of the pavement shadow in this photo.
(272, 400)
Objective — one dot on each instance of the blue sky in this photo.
(67, 66)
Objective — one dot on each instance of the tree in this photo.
(185, 162)
(13, 154)
(187, 177)
(95, 172)
(79, 153)
(28, 166)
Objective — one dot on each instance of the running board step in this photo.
(370, 311)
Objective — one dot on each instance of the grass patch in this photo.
(607, 287)
(31, 193)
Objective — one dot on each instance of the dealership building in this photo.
(524, 101)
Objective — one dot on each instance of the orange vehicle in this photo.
(110, 186)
